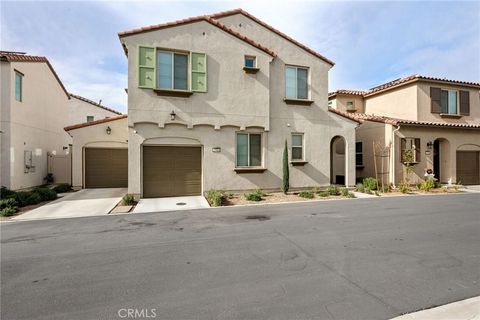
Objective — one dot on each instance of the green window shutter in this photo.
(146, 67)
(199, 72)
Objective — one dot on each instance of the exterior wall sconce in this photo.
(172, 115)
(108, 130)
(429, 144)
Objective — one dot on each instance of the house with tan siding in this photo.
(82, 110)
(438, 119)
(212, 101)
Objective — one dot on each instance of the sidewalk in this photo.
(468, 309)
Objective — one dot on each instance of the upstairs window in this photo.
(296, 82)
(297, 146)
(172, 70)
(249, 150)
(350, 105)
(448, 101)
(89, 118)
(250, 62)
(18, 86)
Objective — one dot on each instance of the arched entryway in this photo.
(338, 160)
(441, 155)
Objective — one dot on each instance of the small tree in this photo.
(408, 158)
(286, 172)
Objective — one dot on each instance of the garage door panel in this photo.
(171, 171)
(468, 167)
(106, 168)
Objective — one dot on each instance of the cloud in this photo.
(371, 42)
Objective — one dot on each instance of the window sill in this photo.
(360, 166)
(351, 110)
(173, 93)
(411, 163)
(296, 163)
(448, 115)
(302, 102)
(250, 170)
(251, 69)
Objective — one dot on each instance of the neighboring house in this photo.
(86, 110)
(438, 119)
(34, 110)
(212, 100)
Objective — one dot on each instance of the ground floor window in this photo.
(249, 150)
(359, 154)
(297, 146)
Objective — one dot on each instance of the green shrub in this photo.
(344, 192)
(9, 202)
(418, 185)
(367, 190)
(25, 198)
(260, 192)
(128, 200)
(46, 194)
(427, 185)
(306, 194)
(253, 196)
(350, 195)
(403, 187)
(5, 193)
(333, 190)
(370, 183)
(316, 190)
(360, 187)
(8, 211)
(62, 187)
(323, 194)
(216, 197)
(386, 188)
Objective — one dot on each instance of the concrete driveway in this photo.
(171, 204)
(83, 203)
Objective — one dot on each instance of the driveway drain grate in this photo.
(258, 217)
(181, 204)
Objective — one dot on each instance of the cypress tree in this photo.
(286, 173)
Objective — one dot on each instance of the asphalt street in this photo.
(346, 259)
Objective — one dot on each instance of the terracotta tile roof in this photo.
(344, 114)
(206, 18)
(92, 123)
(395, 121)
(12, 56)
(349, 92)
(96, 104)
(401, 82)
(281, 34)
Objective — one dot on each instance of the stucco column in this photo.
(134, 162)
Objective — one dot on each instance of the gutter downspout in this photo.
(393, 156)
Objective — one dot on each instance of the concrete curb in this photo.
(468, 309)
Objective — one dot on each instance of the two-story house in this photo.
(212, 101)
(437, 119)
(34, 110)
(82, 110)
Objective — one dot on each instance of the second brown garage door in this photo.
(468, 167)
(106, 168)
(172, 171)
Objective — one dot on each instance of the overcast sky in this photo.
(370, 42)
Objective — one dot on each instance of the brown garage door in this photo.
(468, 168)
(172, 171)
(106, 168)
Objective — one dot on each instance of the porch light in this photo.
(108, 130)
(429, 144)
(172, 115)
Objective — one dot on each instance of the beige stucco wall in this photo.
(95, 136)
(236, 101)
(453, 140)
(79, 110)
(424, 103)
(450, 139)
(399, 103)
(5, 101)
(339, 102)
(35, 124)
